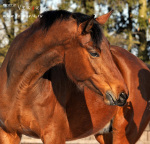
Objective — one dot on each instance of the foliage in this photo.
(84, 6)
(15, 16)
(128, 27)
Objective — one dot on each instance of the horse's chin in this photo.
(81, 86)
(107, 102)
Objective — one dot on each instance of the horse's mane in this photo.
(49, 17)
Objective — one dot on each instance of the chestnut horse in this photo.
(57, 78)
(129, 121)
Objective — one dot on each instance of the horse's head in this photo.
(86, 55)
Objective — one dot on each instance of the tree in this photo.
(127, 27)
(84, 6)
(143, 24)
(22, 14)
(131, 26)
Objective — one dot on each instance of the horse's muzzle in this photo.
(119, 102)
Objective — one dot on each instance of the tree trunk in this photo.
(88, 6)
(143, 53)
(130, 38)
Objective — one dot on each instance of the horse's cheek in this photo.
(77, 66)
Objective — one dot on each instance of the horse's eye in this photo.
(94, 54)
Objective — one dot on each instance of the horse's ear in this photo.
(86, 26)
(103, 19)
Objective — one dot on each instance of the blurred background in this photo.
(128, 27)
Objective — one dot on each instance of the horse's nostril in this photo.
(123, 96)
(112, 100)
(122, 99)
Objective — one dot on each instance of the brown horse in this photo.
(57, 78)
(130, 121)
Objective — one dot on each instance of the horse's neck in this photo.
(29, 58)
(62, 86)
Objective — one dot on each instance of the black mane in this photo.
(49, 17)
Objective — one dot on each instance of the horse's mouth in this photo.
(110, 100)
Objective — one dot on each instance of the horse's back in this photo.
(135, 115)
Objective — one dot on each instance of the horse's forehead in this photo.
(85, 39)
